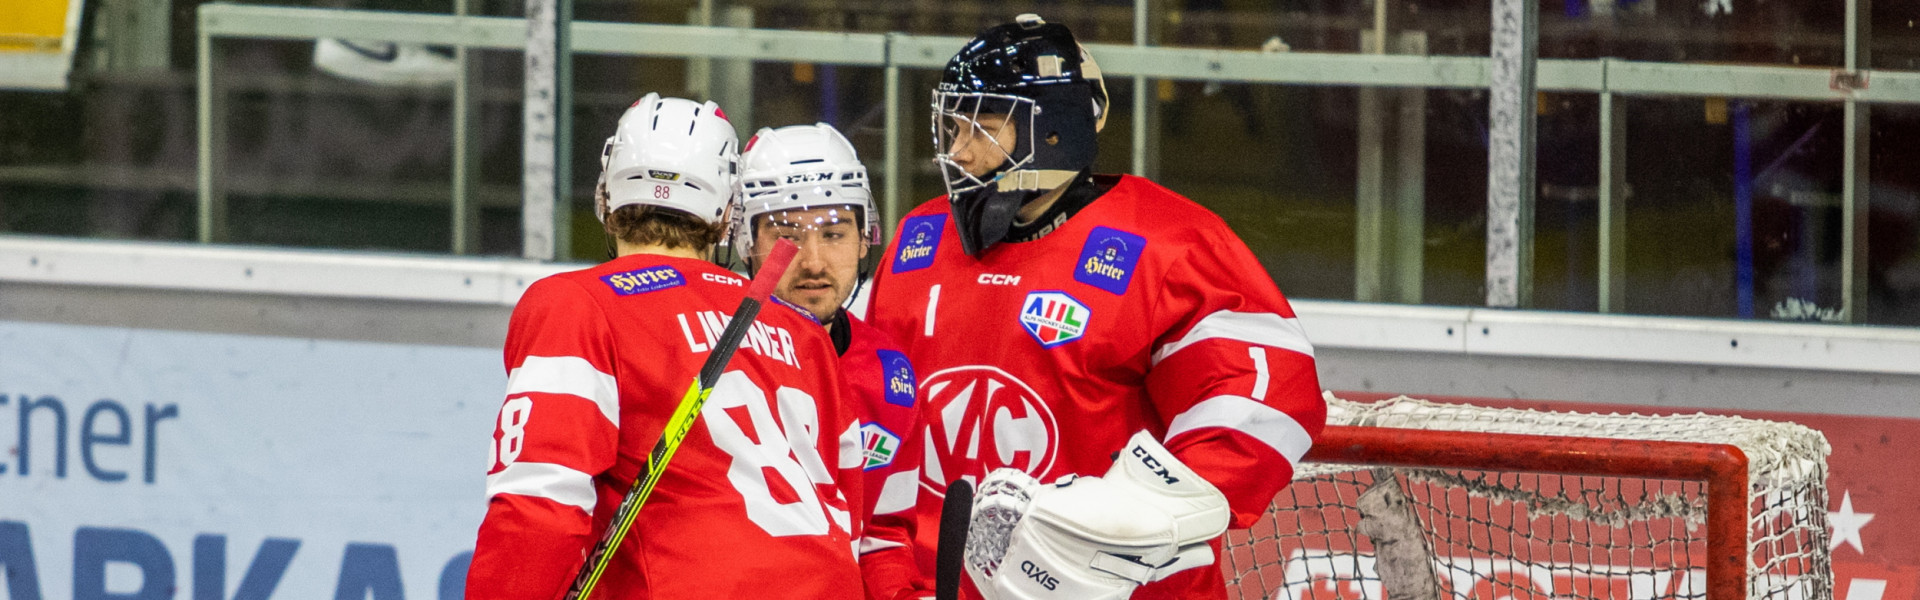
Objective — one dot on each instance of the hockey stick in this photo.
(682, 420)
(956, 513)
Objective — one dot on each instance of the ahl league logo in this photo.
(982, 419)
(880, 446)
(1053, 318)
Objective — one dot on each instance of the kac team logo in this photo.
(1109, 259)
(899, 374)
(641, 281)
(981, 419)
(881, 446)
(1053, 318)
(919, 238)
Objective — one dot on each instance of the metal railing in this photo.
(1609, 78)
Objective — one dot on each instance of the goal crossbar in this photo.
(1722, 467)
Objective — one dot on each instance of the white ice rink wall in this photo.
(150, 463)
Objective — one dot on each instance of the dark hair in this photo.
(640, 224)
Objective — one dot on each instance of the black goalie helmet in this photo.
(1023, 96)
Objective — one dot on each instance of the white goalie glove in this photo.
(1093, 538)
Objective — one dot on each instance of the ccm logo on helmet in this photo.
(998, 279)
(718, 278)
(1154, 465)
(809, 177)
(1038, 574)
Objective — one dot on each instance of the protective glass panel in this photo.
(1733, 208)
(1893, 218)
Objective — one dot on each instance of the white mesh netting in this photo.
(1349, 532)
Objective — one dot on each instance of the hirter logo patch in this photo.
(641, 281)
(1054, 318)
(899, 373)
(880, 444)
(1109, 259)
(919, 238)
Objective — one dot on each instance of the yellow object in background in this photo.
(1716, 110)
(38, 26)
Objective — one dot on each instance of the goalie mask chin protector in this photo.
(1038, 90)
(671, 153)
(1093, 538)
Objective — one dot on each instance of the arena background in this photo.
(251, 305)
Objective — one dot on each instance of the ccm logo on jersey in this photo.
(1154, 465)
(641, 281)
(718, 278)
(1109, 259)
(998, 279)
(919, 238)
(702, 332)
(1054, 318)
(1034, 572)
(900, 381)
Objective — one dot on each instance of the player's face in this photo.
(828, 264)
(982, 143)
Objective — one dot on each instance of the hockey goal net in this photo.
(1414, 500)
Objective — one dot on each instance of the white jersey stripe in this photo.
(544, 480)
(1265, 423)
(898, 493)
(569, 375)
(853, 449)
(870, 544)
(1266, 329)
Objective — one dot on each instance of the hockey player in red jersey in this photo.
(804, 183)
(1053, 314)
(755, 502)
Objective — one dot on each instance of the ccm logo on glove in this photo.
(1038, 574)
(1154, 465)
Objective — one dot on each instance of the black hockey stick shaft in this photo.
(956, 513)
(682, 420)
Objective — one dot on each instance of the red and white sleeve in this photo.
(1233, 375)
(557, 429)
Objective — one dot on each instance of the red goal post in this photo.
(1413, 500)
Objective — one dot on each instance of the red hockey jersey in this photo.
(1141, 311)
(757, 494)
(882, 383)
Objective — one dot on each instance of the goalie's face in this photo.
(831, 246)
(979, 143)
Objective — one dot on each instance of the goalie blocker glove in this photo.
(1093, 538)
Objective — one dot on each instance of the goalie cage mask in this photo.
(1054, 98)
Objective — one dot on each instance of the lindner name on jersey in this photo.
(702, 332)
(641, 281)
(919, 238)
(1108, 259)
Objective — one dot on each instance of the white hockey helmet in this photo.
(800, 166)
(672, 153)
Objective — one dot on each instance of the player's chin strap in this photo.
(1093, 538)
